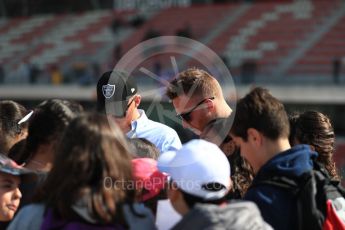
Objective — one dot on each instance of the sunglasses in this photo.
(187, 116)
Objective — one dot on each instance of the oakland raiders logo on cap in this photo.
(108, 90)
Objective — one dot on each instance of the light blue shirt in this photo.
(164, 137)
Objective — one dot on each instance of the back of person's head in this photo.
(199, 170)
(315, 129)
(48, 122)
(92, 167)
(293, 118)
(144, 148)
(263, 112)
(194, 83)
(10, 114)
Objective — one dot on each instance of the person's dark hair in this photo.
(16, 150)
(315, 129)
(92, 150)
(194, 82)
(242, 173)
(47, 124)
(11, 113)
(263, 112)
(192, 200)
(144, 148)
(293, 118)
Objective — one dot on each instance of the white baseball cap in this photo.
(197, 165)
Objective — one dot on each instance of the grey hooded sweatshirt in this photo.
(234, 215)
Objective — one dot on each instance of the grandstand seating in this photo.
(54, 39)
(266, 33)
(200, 19)
(16, 34)
(318, 59)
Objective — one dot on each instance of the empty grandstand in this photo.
(277, 40)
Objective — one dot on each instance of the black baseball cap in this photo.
(114, 89)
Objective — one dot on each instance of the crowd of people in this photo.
(64, 168)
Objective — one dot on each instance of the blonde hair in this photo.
(194, 82)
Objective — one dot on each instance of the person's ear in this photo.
(209, 105)
(312, 147)
(137, 100)
(254, 136)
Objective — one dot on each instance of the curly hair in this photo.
(315, 129)
(242, 174)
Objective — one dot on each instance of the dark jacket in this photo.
(33, 217)
(234, 215)
(278, 206)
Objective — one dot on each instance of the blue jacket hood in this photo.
(276, 205)
(292, 162)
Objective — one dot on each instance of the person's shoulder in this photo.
(138, 216)
(267, 196)
(158, 123)
(260, 193)
(29, 217)
(238, 215)
(162, 127)
(150, 122)
(236, 206)
(245, 215)
(32, 209)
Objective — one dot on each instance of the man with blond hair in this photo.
(198, 100)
